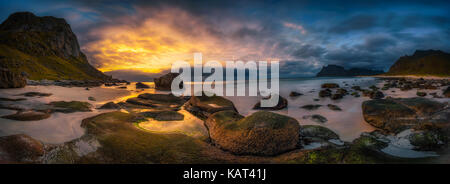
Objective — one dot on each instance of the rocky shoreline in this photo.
(409, 130)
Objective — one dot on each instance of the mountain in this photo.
(422, 62)
(339, 71)
(43, 48)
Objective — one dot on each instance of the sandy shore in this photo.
(409, 76)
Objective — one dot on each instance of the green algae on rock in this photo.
(262, 133)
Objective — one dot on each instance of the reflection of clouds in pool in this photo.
(191, 126)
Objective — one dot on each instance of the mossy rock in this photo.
(387, 114)
(203, 106)
(110, 105)
(163, 115)
(326, 155)
(422, 106)
(262, 133)
(21, 148)
(316, 118)
(122, 142)
(72, 106)
(428, 140)
(28, 116)
(365, 150)
(157, 101)
(316, 131)
(35, 94)
(329, 85)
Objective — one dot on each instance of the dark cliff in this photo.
(43, 48)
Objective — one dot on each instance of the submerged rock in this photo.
(29, 115)
(12, 99)
(69, 107)
(163, 115)
(92, 98)
(262, 133)
(295, 94)
(316, 118)
(34, 94)
(282, 103)
(334, 107)
(9, 79)
(316, 131)
(311, 106)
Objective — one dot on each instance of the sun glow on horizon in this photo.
(166, 37)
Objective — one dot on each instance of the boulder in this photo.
(9, 79)
(21, 148)
(141, 85)
(110, 105)
(334, 107)
(262, 133)
(395, 115)
(165, 82)
(427, 140)
(29, 115)
(446, 92)
(329, 85)
(295, 94)
(337, 96)
(376, 95)
(203, 106)
(421, 94)
(160, 101)
(282, 103)
(325, 93)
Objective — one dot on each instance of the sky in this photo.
(140, 39)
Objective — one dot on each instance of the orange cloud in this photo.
(165, 37)
(295, 26)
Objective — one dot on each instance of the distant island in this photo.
(339, 71)
(422, 62)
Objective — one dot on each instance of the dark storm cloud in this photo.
(370, 34)
(354, 23)
(305, 51)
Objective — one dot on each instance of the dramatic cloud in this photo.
(141, 39)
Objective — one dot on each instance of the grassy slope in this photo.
(433, 65)
(43, 67)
